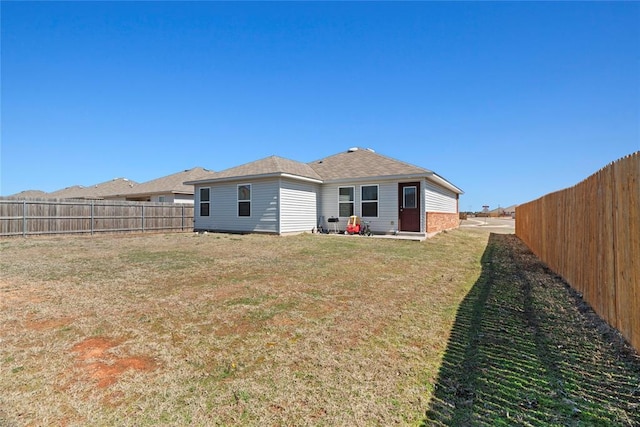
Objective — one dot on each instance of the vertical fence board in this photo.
(590, 235)
(608, 249)
(627, 260)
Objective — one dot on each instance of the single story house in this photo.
(169, 189)
(282, 196)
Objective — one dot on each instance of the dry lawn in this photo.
(214, 329)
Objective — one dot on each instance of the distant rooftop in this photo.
(96, 192)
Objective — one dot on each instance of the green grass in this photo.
(525, 351)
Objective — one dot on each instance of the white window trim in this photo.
(238, 200)
(377, 201)
(353, 202)
(200, 202)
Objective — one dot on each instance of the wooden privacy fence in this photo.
(590, 235)
(39, 216)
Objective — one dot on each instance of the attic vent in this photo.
(371, 149)
(352, 149)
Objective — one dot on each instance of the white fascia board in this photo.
(253, 177)
(154, 193)
(444, 183)
(301, 178)
(201, 181)
(378, 178)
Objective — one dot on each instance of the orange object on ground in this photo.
(353, 226)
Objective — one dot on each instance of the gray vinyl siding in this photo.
(281, 205)
(224, 207)
(385, 222)
(173, 198)
(439, 199)
(168, 198)
(183, 198)
(298, 206)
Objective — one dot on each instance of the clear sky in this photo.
(508, 101)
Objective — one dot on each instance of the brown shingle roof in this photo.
(353, 164)
(97, 191)
(73, 192)
(29, 194)
(362, 163)
(174, 183)
(269, 166)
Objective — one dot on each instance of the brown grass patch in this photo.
(107, 373)
(109, 367)
(41, 324)
(227, 330)
(92, 348)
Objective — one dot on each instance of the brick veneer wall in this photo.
(438, 221)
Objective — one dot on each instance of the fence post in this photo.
(142, 225)
(92, 216)
(182, 217)
(24, 218)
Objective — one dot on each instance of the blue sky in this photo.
(509, 101)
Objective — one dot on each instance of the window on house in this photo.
(204, 201)
(410, 197)
(369, 200)
(244, 200)
(162, 199)
(345, 201)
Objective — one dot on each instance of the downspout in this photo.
(423, 207)
(278, 215)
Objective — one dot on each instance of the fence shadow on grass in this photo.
(525, 350)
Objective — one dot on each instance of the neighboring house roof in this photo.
(269, 166)
(73, 192)
(174, 184)
(29, 194)
(97, 191)
(354, 164)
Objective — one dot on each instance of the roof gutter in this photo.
(430, 175)
(301, 178)
(375, 178)
(443, 182)
(256, 176)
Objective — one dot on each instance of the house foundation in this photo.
(439, 221)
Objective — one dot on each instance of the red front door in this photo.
(409, 213)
